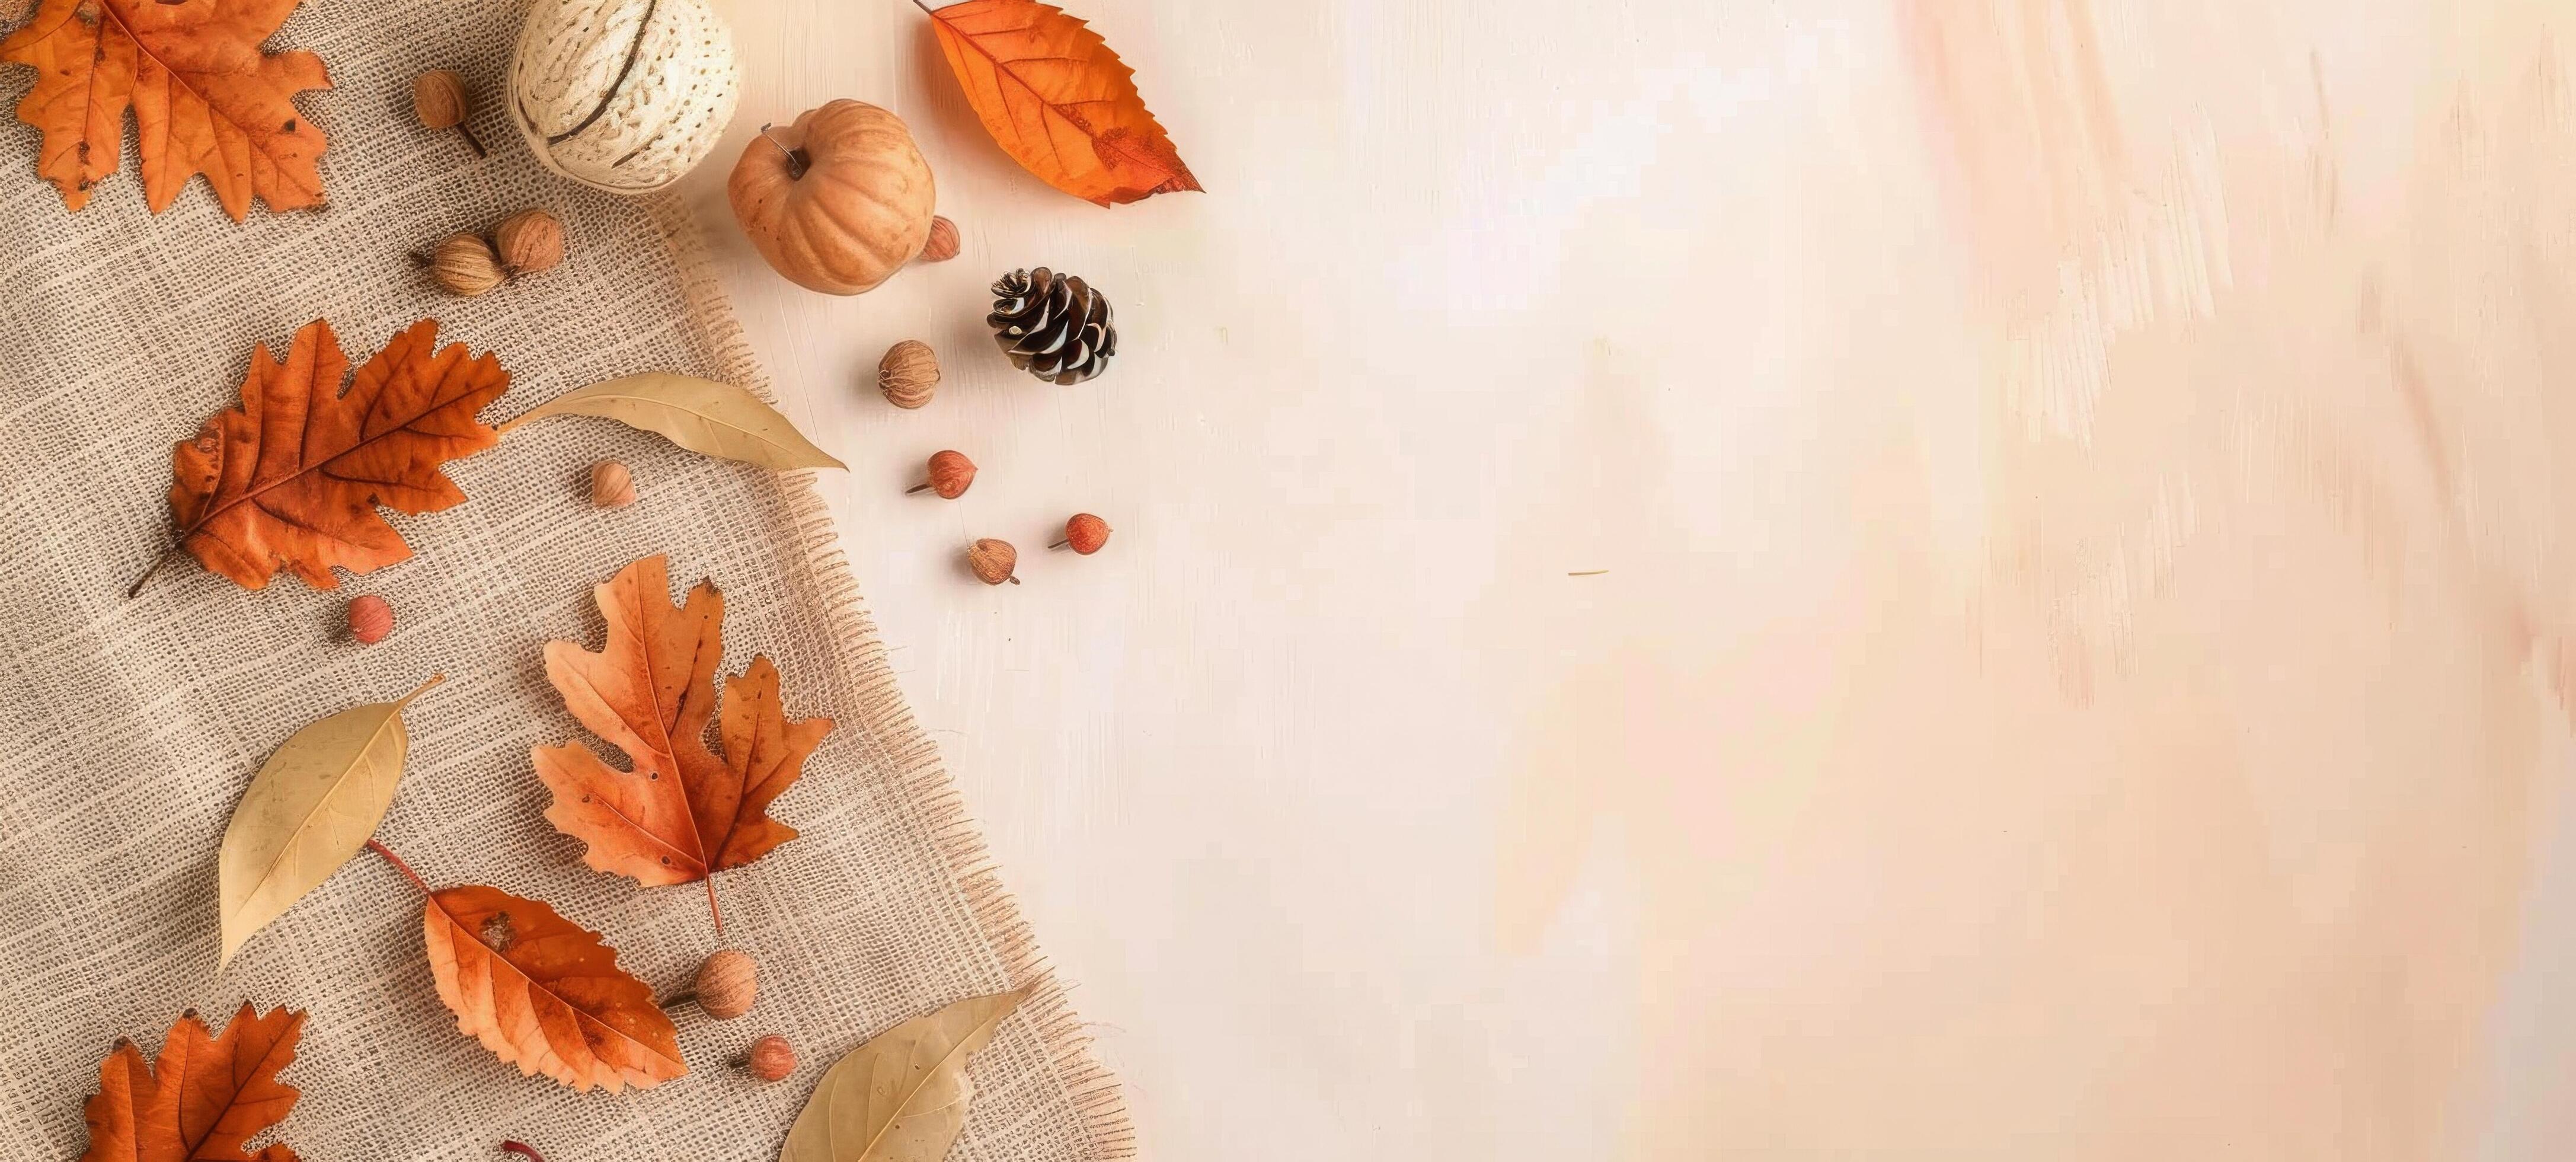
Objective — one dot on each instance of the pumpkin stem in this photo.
(797, 160)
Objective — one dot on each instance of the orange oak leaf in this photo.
(1058, 100)
(544, 993)
(292, 477)
(206, 99)
(682, 813)
(203, 1098)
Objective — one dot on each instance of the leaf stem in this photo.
(711, 902)
(396, 860)
(524, 1149)
(136, 589)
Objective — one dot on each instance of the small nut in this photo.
(993, 561)
(1084, 534)
(950, 475)
(529, 241)
(942, 243)
(441, 101)
(726, 984)
(611, 485)
(463, 264)
(771, 1058)
(370, 618)
(908, 374)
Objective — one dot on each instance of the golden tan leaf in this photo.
(206, 99)
(1058, 101)
(202, 1098)
(902, 1096)
(312, 805)
(701, 415)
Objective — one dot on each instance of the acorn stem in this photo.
(924, 486)
(1061, 545)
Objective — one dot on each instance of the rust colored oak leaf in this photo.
(202, 1099)
(682, 813)
(206, 99)
(545, 994)
(290, 480)
(1058, 100)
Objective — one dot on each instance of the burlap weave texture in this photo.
(130, 727)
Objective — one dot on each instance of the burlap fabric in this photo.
(130, 727)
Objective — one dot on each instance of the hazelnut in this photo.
(771, 1058)
(441, 101)
(611, 485)
(463, 264)
(529, 241)
(1084, 534)
(942, 243)
(993, 561)
(908, 374)
(726, 984)
(370, 619)
(950, 475)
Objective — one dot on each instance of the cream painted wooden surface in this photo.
(2083, 665)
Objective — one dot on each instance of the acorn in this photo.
(529, 242)
(771, 1058)
(1084, 534)
(441, 101)
(908, 374)
(611, 485)
(993, 561)
(950, 474)
(371, 618)
(463, 264)
(726, 984)
(942, 243)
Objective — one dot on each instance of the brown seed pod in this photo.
(950, 474)
(993, 561)
(942, 243)
(908, 374)
(463, 264)
(441, 100)
(370, 619)
(1084, 534)
(529, 242)
(611, 485)
(771, 1058)
(726, 984)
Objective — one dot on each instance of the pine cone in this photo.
(1052, 326)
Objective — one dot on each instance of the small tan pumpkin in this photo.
(837, 201)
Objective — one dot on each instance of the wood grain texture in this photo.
(2082, 664)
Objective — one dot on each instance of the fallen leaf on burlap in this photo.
(1058, 101)
(206, 99)
(701, 415)
(202, 1099)
(544, 993)
(312, 805)
(682, 813)
(902, 1096)
(291, 478)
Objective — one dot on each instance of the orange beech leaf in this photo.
(544, 993)
(1058, 100)
(206, 100)
(682, 813)
(291, 478)
(202, 1098)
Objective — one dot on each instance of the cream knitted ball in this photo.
(622, 95)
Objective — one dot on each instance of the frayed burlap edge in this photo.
(927, 788)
